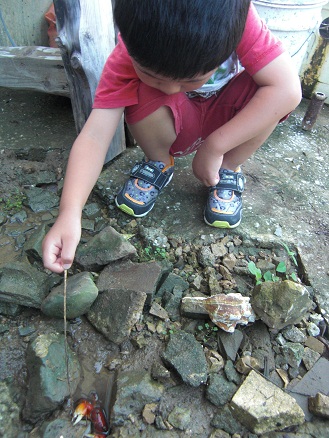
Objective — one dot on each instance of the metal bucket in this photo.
(295, 22)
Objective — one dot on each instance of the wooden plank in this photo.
(33, 68)
(86, 38)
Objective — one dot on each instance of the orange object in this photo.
(50, 16)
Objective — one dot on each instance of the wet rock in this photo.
(38, 199)
(154, 237)
(214, 360)
(180, 418)
(246, 363)
(106, 247)
(310, 357)
(40, 177)
(262, 407)
(230, 373)
(319, 405)
(224, 420)
(257, 338)
(115, 312)
(22, 284)
(219, 390)
(206, 257)
(171, 302)
(135, 389)
(33, 246)
(187, 357)
(229, 343)
(293, 353)
(173, 281)
(148, 413)
(293, 334)
(160, 373)
(313, 329)
(192, 307)
(48, 386)
(279, 304)
(9, 414)
(157, 310)
(142, 277)
(10, 309)
(60, 427)
(81, 292)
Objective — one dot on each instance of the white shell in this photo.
(228, 310)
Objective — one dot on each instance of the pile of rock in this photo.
(227, 358)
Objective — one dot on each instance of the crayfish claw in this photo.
(77, 418)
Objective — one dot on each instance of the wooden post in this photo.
(86, 37)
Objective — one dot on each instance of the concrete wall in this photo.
(25, 22)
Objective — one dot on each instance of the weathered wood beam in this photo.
(35, 68)
(86, 37)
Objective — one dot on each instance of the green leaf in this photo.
(294, 276)
(281, 267)
(268, 276)
(254, 270)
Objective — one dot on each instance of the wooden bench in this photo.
(85, 38)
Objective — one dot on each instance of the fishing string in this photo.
(65, 342)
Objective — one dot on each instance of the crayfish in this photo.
(89, 408)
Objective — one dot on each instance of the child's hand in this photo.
(59, 245)
(206, 165)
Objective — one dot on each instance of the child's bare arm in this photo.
(84, 166)
(278, 94)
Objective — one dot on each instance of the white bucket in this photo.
(295, 22)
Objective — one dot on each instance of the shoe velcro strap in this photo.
(231, 181)
(150, 174)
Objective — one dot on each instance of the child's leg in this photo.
(155, 122)
(224, 205)
(237, 156)
(155, 134)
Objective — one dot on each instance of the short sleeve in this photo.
(119, 83)
(258, 45)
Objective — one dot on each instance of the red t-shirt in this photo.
(119, 83)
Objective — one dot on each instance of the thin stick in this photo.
(66, 353)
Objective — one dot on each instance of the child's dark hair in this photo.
(181, 38)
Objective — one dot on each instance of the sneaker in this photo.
(224, 204)
(147, 178)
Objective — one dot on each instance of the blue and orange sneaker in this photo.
(147, 178)
(224, 204)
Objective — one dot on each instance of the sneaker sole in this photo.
(221, 224)
(130, 211)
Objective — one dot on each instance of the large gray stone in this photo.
(106, 247)
(40, 199)
(279, 304)
(262, 407)
(142, 277)
(219, 390)
(48, 381)
(22, 284)
(135, 389)
(186, 356)
(80, 294)
(115, 312)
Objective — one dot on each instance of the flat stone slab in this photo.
(141, 277)
(263, 407)
(315, 380)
